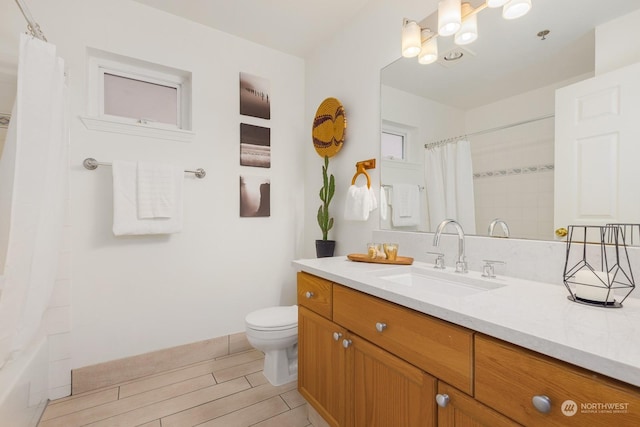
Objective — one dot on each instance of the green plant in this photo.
(326, 194)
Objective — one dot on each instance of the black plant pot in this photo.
(325, 248)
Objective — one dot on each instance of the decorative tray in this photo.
(402, 260)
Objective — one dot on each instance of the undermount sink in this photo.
(441, 282)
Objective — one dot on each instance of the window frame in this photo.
(160, 80)
(101, 63)
(394, 130)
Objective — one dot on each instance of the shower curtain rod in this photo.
(480, 132)
(32, 25)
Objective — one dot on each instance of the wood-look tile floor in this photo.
(227, 391)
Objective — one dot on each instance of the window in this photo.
(132, 96)
(143, 101)
(393, 145)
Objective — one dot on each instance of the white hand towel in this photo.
(159, 190)
(358, 204)
(405, 205)
(125, 205)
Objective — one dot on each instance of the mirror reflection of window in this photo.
(393, 145)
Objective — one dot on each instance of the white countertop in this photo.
(534, 315)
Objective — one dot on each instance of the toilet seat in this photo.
(273, 318)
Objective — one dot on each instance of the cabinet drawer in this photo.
(439, 348)
(315, 294)
(507, 378)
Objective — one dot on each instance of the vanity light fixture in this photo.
(454, 17)
(429, 52)
(449, 17)
(411, 42)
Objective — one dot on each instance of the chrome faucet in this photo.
(503, 224)
(461, 263)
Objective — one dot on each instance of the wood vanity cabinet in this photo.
(367, 362)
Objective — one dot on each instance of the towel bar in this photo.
(91, 164)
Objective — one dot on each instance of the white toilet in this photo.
(274, 331)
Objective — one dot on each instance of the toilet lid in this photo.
(273, 318)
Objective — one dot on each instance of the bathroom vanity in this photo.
(384, 345)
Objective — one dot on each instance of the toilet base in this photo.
(281, 366)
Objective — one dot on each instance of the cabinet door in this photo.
(387, 391)
(321, 365)
(457, 409)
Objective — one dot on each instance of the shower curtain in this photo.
(33, 193)
(449, 185)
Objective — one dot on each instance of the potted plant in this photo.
(325, 247)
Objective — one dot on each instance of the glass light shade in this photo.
(449, 17)
(468, 32)
(516, 8)
(410, 39)
(496, 3)
(429, 51)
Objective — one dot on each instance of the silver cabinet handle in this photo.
(381, 326)
(346, 343)
(308, 294)
(542, 403)
(442, 400)
(337, 336)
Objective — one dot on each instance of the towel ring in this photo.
(359, 172)
(361, 168)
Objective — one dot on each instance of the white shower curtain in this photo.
(33, 193)
(449, 185)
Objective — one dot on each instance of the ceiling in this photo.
(508, 58)
(291, 26)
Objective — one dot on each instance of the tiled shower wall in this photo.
(513, 179)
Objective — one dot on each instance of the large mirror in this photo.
(500, 97)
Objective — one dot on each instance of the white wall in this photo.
(348, 67)
(616, 43)
(133, 295)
